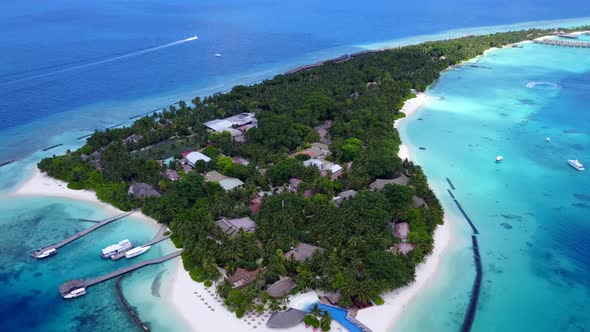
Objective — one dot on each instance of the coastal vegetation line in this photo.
(359, 99)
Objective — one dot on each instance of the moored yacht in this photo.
(499, 159)
(576, 164)
(45, 253)
(75, 293)
(136, 251)
(114, 249)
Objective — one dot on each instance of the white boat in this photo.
(576, 164)
(499, 159)
(136, 251)
(548, 139)
(75, 293)
(217, 55)
(45, 253)
(119, 247)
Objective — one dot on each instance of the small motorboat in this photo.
(217, 55)
(576, 164)
(499, 159)
(547, 139)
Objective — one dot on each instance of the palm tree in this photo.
(223, 288)
(315, 310)
(210, 269)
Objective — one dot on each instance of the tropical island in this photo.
(288, 185)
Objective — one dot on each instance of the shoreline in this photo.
(397, 301)
(411, 106)
(42, 185)
(192, 301)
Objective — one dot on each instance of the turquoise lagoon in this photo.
(31, 299)
(44, 102)
(532, 210)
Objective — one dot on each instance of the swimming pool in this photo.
(338, 315)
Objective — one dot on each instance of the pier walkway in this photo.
(562, 43)
(82, 233)
(77, 283)
(158, 238)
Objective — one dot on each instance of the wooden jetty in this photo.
(53, 146)
(38, 253)
(71, 285)
(158, 238)
(562, 43)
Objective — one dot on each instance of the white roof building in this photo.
(218, 124)
(241, 119)
(236, 120)
(195, 156)
(334, 168)
(314, 162)
(230, 183)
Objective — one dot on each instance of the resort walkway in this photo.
(82, 233)
(73, 284)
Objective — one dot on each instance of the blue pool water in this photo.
(339, 315)
(531, 209)
(70, 67)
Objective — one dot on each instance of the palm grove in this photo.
(362, 96)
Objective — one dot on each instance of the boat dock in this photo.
(70, 285)
(562, 43)
(81, 233)
(158, 238)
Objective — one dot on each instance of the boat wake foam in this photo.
(99, 62)
(543, 85)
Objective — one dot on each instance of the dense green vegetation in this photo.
(362, 98)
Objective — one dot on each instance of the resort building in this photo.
(286, 319)
(281, 288)
(401, 230)
(378, 184)
(242, 277)
(302, 252)
(193, 157)
(231, 227)
(401, 248)
(171, 174)
(293, 185)
(341, 196)
(226, 182)
(314, 162)
(133, 139)
(418, 202)
(141, 190)
(240, 160)
(236, 125)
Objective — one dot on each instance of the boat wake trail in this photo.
(103, 61)
(545, 85)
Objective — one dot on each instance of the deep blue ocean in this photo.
(70, 67)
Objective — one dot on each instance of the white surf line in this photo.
(95, 63)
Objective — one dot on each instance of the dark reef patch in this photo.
(506, 225)
(582, 197)
(581, 205)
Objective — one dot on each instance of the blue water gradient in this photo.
(531, 209)
(56, 86)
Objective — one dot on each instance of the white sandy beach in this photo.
(40, 184)
(409, 108)
(194, 302)
(383, 318)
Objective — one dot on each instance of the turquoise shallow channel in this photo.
(531, 209)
